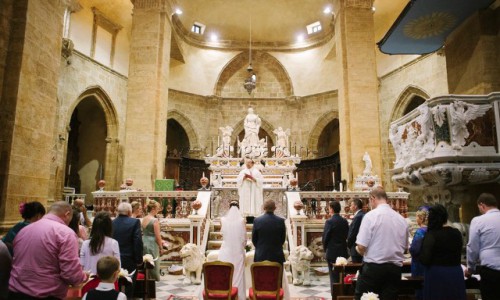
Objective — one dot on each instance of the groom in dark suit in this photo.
(356, 209)
(268, 235)
(335, 239)
(127, 232)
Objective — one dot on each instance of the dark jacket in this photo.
(268, 236)
(353, 233)
(334, 238)
(127, 231)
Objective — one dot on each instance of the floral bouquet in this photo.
(341, 261)
(125, 274)
(369, 296)
(148, 258)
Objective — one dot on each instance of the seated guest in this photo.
(417, 269)
(440, 253)
(46, 257)
(136, 209)
(5, 265)
(31, 212)
(108, 268)
(100, 243)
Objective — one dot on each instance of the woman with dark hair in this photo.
(31, 212)
(100, 243)
(417, 269)
(441, 253)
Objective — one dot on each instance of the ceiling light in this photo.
(373, 8)
(300, 38)
(213, 37)
(327, 10)
(178, 11)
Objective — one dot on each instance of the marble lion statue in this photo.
(300, 260)
(192, 261)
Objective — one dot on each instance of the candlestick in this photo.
(333, 178)
(218, 141)
(341, 187)
(203, 174)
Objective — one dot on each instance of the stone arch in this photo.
(321, 123)
(405, 99)
(112, 170)
(187, 125)
(259, 59)
(265, 125)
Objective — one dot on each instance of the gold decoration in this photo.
(429, 25)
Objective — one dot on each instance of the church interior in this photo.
(129, 100)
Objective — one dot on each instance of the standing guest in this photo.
(440, 253)
(136, 209)
(46, 257)
(80, 206)
(356, 208)
(31, 212)
(108, 268)
(382, 240)
(100, 244)
(77, 228)
(483, 249)
(5, 266)
(151, 238)
(335, 239)
(417, 269)
(127, 232)
(268, 235)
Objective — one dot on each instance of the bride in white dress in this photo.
(234, 240)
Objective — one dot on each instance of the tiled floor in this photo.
(172, 285)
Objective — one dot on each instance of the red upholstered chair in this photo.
(266, 281)
(92, 284)
(218, 279)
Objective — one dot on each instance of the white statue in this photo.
(252, 125)
(461, 114)
(282, 137)
(226, 135)
(368, 164)
(300, 260)
(395, 138)
(192, 261)
(250, 183)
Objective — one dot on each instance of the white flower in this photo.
(149, 258)
(124, 273)
(369, 296)
(341, 261)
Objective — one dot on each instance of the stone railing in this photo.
(448, 141)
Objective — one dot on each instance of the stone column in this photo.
(32, 39)
(146, 125)
(358, 87)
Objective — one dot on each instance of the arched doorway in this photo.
(177, 146)
(86, 154)
(329, 139)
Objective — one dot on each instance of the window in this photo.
(198, 28)
(314, 27)
(104, 34)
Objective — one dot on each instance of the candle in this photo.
(297, 177)
(333, 178)
(100, 172)
(69, 169)
(218, 141)
(341, 188)
(203, 174)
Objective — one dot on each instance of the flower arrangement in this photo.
(148, 258)
(125, 274)
(369, 296)
(341, 261)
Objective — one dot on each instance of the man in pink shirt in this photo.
(46, 260)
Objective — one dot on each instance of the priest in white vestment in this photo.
(249, 184)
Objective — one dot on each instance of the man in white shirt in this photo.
(484, 246)
(382, 241)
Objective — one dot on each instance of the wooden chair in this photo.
(218, 279)
(266, 281)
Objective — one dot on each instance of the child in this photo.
(108, 268)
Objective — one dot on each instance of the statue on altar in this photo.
(250, 184)
(251, 146)
(282, 146)
(225, 149)
(368, 164)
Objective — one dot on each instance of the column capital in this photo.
(364, 4)
(160, 4)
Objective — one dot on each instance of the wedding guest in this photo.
(108, 268)
(100, 244)
(79, 204)
(46, 257)
(151, 238)
(483, 249)
(127, 232)
(335, 239)
(136, 209)
(356, 208)
(234, 240)
(440, 253)
(268, 235)
(417, 269)
(74, 224)
(5, 266)
(31, 212)
(382, 240)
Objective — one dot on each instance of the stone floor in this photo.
(172, 285)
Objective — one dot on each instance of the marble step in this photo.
(216, 251)
(216, 244)
(216, 227)
(217, 236)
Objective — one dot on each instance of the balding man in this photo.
(268, 235)
(46, 260)
(79, 205)
(127, 231)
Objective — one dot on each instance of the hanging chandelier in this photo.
(251, 81)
